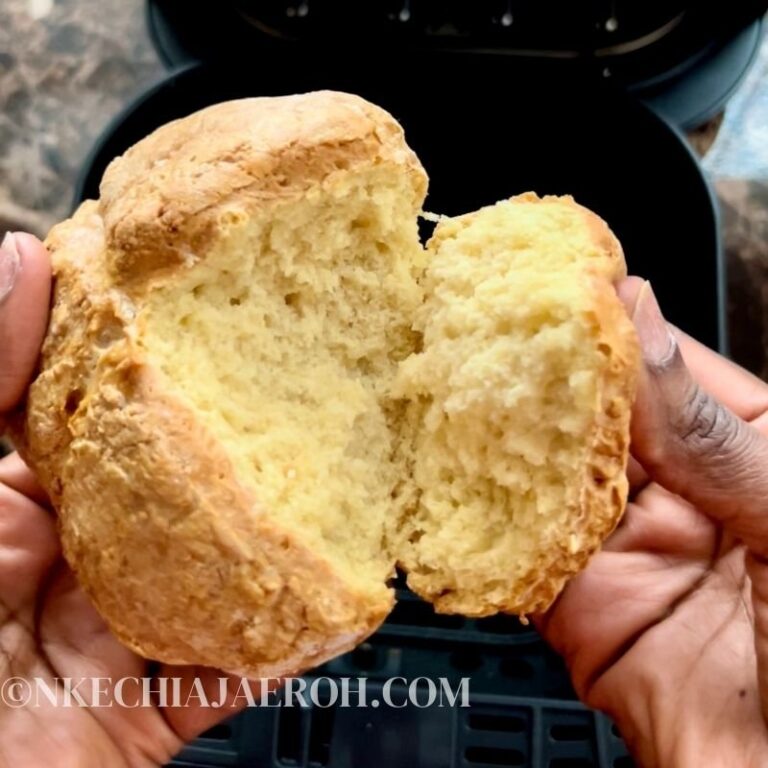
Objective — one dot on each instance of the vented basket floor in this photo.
(522, 709)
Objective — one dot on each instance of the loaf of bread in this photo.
(260, 394)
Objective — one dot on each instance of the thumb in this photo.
(25, 284)
(694, 446)
(689, 442)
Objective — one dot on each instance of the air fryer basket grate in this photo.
(493, 731)
(522, 708)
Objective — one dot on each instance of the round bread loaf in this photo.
(259, 393)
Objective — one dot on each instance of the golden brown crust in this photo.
(164, 199)
(604, 490)
(176, 554)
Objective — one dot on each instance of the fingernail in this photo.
(10, 262)
(656, 339)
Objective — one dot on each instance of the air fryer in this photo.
(684, 59)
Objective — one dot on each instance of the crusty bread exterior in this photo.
(604, 491)
(161, 202)
(168, 544)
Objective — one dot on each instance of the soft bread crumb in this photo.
(507, 395)
(292, 342)
(285, 341)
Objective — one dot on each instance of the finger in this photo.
(737, 389)
(734, 387)
(29, 545)
(25, 286)
(15, 474)
(662, 523)
(690, 443)
(637, 476)
(72, 636)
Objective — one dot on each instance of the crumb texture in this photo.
(285, 340)
(510, 393)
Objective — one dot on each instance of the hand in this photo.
(667, 628)
(48, 628)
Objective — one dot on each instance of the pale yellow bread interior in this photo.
(293, 341)
(521, 400)
(286, 341)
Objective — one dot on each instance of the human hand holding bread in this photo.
(49, 630)
(463, 412)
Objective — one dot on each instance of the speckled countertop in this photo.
(68, 66)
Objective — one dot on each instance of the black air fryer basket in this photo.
(496, 98)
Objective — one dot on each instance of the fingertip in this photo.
(23, 318)
(628, 290)
(15, 474)
(35, 257)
